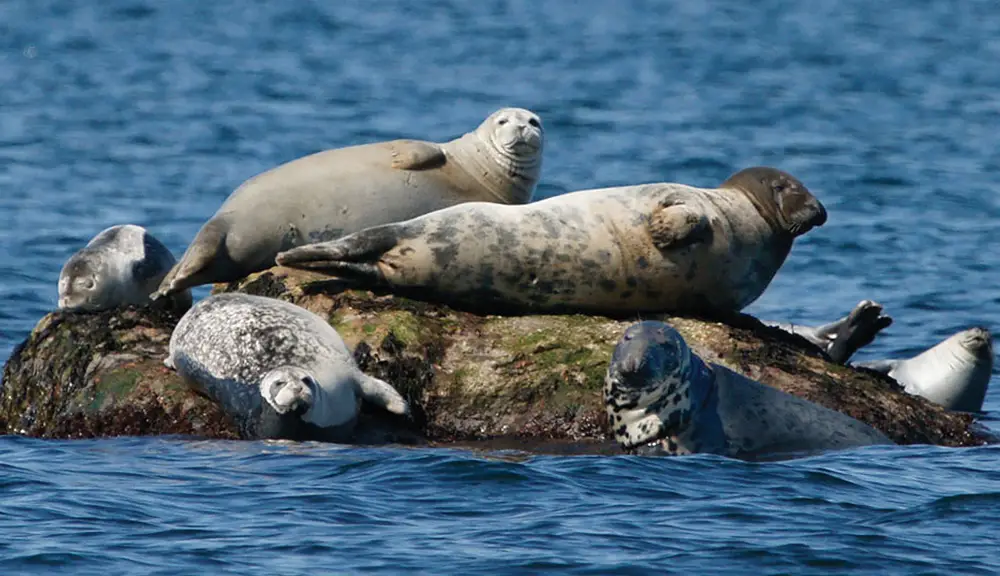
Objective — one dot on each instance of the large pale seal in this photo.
(663, 399)
(336, 192)
(648, 248)
(120, 266)
(843, 337)
(277, 369)
(955, 373)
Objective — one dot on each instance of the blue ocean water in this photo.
(133, 111)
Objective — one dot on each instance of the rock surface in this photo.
(508, 382)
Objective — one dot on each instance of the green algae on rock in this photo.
(502, 381)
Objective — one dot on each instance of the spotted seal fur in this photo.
(648, 248)
(336, 192)
(277, 369)
(663, 399)
(122, 265)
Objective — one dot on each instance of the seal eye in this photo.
(534, 122)
(501, 121)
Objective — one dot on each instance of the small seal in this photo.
(278, 370)
(663, 399)
(120, 266)
(955, 373)
(336, 192)
(616, 251)
(841, 338)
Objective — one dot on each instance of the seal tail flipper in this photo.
(202, 252)
(383, 395)
(855, 331)
(883, 366)
(354, 257)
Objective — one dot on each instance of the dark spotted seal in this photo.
(663, 399)
(336, 192)
(277, 369)
(647, 248)
(122, 265)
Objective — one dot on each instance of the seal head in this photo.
(780, 198)
(504, 153)
(654, 385)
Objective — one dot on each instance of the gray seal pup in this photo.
(336, 192)
(660, 247)
(278, 370)
(955, 373)
(120, 266)
(843, 337)
(663, 399)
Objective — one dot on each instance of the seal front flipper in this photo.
(677, 226)
(203, 253)
(353, 257)
(855, 331)
(883, 366)
(380, 393)
(416, 155)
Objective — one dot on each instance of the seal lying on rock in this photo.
(841, 338)
(336, 192)
(616, 251)
(122, 265)
(277, 369)
(955, 373)
(663, 399)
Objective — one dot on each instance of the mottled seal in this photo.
(955, 373)
(648, 248)
(841, 338)
(122, 265)
(278, 370)
(663, 399)
(336, 192)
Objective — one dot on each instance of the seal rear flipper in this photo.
(354, 257)
(416, 155)
(196, 261)
(382, 394)
(678, 226)
(855, 331)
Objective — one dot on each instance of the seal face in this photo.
(121, 265)
(617, 251)
(279, 370)
(336, 192)
(954, 373)
(663, 399)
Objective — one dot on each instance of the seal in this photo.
(120, 266)
(954, 373)
(336, 192)
(663, 399)
(278, 370)
(661, 247)
(843, 337)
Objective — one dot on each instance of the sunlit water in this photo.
(151, 113)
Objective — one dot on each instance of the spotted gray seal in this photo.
(336, 192)
(663, 399)
(954, 373)
(843, 337)
(121, 265)
(278, 370)
(649, 248)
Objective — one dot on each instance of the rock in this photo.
(528, 382)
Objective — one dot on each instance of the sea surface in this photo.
(134, 111)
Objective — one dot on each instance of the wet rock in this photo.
(510, 382)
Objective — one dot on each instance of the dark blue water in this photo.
(152, 112)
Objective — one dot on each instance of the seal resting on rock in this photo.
(120, 266)
(841, 338)
(663, 399)
(955, 373)
(277, 369)
(648, 248)
(336, 192)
